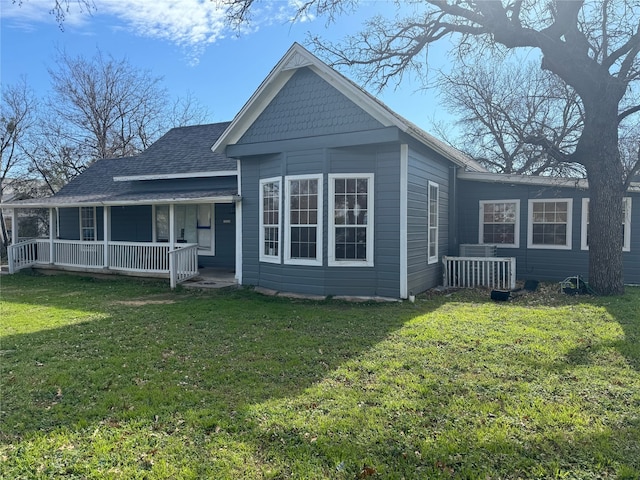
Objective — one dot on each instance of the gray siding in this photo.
(69, 223)
(131, 224)
(383, 278)
(424, 166)
(535, 263)
(307, 106)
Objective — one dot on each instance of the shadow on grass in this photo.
(247, 386)
(149, 352)
(625, 311)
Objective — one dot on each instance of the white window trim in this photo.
(287, 224)
(516, 236)
(368, 262)
(95, 225)
(626, 245)
(434, 258)
(568, 243)
(264, 257)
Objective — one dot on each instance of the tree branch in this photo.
(627, 112)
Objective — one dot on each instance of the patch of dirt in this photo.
(144, 301)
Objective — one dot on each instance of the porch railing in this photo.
(22, 255)
(492, 272)
(73, 253)
(184, 264)
(137, 257)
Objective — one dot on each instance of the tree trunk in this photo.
(606, 191)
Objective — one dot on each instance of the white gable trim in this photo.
(171, 176)
(298, 57)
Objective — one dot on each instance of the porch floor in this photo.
(212, 278)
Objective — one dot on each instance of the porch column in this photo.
(172, 243)
(14, 226)
(106, 232)
(52, 232)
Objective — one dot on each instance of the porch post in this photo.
(172, 243)
(14, 226)
(52, 227)
(106, 233)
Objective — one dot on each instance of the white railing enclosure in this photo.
(179, 264)
(491, 272)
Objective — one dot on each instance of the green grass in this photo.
(126, 379)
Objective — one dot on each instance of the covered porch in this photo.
(165, 238)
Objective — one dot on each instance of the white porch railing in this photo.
(184, 264)
(492, 272)
(22, 255)
(136, 257)
(74, 253)
(139, 257)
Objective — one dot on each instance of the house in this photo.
(316, 187)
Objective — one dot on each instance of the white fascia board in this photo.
(117, 203)
(578, 183)
(223, 199)
(489, 177)
(172, 176)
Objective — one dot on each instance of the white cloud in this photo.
(183, 22)
(191, 24)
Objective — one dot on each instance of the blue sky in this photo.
(186, 43)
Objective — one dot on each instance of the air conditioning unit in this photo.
(470, 250)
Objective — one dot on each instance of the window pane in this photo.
(350, 203)
(270, 218)
(549, 223)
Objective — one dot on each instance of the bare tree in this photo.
(17, 116)
(501, 105)
(107, 107)
(61, 8)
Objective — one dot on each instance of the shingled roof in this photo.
(183, 152)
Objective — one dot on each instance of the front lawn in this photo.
(122, 378)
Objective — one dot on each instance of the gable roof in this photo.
(298, 57)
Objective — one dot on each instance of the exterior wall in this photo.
(131, 224)
(537, 263)
(307, 106)
(69, 224)
(425, 167)
(383, 278)
(225, 240)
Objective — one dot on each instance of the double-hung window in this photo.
(88, 224)
(626, 224)
(350, 220)
(500, 223)
(270, 233)
(550, 223)
(303, 219)
(432, 234)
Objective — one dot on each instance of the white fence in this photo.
(152, 258)
(492, 272)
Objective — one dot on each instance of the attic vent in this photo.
(469, 250)
(296, 61)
